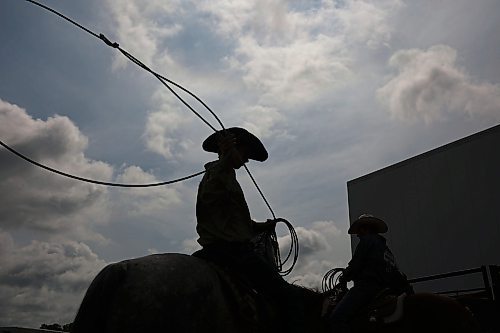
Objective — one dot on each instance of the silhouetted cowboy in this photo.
(224, 225)
(372, 268)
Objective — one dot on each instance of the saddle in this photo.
(386, 307)
(250, 305)
(256, 309)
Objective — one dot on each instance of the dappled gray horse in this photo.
(167, 293)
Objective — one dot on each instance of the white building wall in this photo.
(442, 207)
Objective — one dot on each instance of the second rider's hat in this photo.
(374, 223)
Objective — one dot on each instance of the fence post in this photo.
(486, 281)
(495, 281)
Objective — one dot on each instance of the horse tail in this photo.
(93, 312)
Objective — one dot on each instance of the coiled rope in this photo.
(294, 248)
(293, 252)
(331, 279)
(165, 81)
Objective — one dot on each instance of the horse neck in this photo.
(312, 302)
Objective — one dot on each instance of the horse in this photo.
(421, 312)
(171, 292)
(399, 309)
(175, 292)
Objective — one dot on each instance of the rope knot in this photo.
(108, 42)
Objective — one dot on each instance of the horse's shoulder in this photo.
(171, 262)
(153, 292)
(166, 271)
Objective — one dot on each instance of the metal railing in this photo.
(490, 277)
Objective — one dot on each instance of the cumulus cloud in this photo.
(286, 56)
(302, 71)
(429, 85)
(293, 57)
(144, 25)
(319, 244)
(281, 54)
(190, 245)
(310, 241)
(261, 120)
(41, 200)
(164, 132)
(149, 201)
(280, 22)
(368, 22)
(43, 281)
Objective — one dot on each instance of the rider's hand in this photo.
(271, 223)
(342, 282)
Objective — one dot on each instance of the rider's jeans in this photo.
(356, 298)
(263, 277)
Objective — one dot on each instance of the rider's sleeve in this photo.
(259, 227)
(358, 260)
(221, 210)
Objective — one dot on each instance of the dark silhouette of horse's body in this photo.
(424, 312)
(181, 293)
(157, 293)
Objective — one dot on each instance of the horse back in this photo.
(165, 292)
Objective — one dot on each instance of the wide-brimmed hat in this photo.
(256, 149)
(374, 223)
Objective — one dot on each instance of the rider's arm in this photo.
(357, 262)
(259, 227)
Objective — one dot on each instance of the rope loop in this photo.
(294, 248)
(108, 42)
(331, 278)
(92, 181)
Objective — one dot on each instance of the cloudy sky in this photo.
(335, 89)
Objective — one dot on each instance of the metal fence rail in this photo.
(490, 277)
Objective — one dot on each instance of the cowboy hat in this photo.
(256, 149)
(376, 224)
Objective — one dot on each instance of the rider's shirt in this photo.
(372, 262)
(221, 209)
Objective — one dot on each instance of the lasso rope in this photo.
(331, 279)
(294, 247)
(92, 181)
(165, 81)
(136, 61)
(293, 252)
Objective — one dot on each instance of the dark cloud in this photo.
(43, 281)
(35, 198)
(311, 241)
(68, 266)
